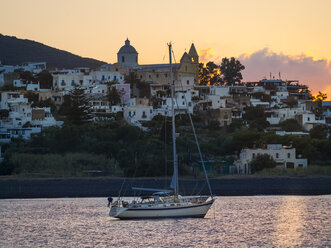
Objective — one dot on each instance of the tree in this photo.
(75, 107)
(203, 74)
(138, 88)
(256, 118)
(114, 97)
(319, 132)
(27, 76)
(262, 161)
(209, 74)
(214, 73)
(4, 113)
(320, 96)
(45, 79)
(290, 125)
(32, 97)
(231, 70)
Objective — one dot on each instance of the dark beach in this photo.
(105, 186)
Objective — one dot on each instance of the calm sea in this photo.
(255, 221)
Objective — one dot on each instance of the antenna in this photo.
(279, 76)
(270, 75)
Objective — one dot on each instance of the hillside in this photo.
(14, 51)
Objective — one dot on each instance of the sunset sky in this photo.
(291, 37)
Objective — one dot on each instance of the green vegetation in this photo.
(262, 161)
(75, 107)
(311, 170)
(106, 145)
(231, 70)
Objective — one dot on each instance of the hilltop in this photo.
(14, 51)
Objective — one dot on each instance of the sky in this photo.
(287, 36)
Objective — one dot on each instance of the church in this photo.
(185, 73)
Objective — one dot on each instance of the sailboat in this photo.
(164, 203)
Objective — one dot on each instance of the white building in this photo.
(309, 120)
(19, 109)
(18, 83)
(182, 104)
(134, 114)
(22, 120)
(258, 102)
(107, 76)
(285, 157)
(33, 87)
(127, 55)
(6, 134)
(223, 91)
(216, 101)
(42, 117)
(280, 115)
(66, 80)
(35, 67)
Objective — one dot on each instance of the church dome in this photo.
(127, 48)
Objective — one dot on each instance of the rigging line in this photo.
(197, 142)
(165, 151)
(174, 56)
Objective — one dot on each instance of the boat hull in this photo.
(194, 211)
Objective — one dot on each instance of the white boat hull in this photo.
(192, 211)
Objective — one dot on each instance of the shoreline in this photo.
(110, 186)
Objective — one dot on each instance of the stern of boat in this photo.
(115, 211)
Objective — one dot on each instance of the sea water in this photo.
(249, 221)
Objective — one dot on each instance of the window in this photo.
(288, 155)
(123, 59)
(166, 75)
(63, 83)
(73, 82)
(308, 119)
(277, 155)
(253, 155)
(188, 82)
(103, 77)
(115, 78)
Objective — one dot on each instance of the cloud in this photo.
(314, 73)
(206, 54)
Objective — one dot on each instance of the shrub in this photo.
(262, 161)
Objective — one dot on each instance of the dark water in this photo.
(254, 221)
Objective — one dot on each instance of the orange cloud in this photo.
(316, 73)
(206, 54)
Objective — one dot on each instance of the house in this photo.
(106, 76)
(35, 67)
(284, 156)
(68, 79)
(138, 110)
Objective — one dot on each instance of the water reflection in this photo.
(290, 221)
(252, 221)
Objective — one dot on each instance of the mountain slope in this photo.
(14, 51)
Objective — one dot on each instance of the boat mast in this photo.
(172, 85)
